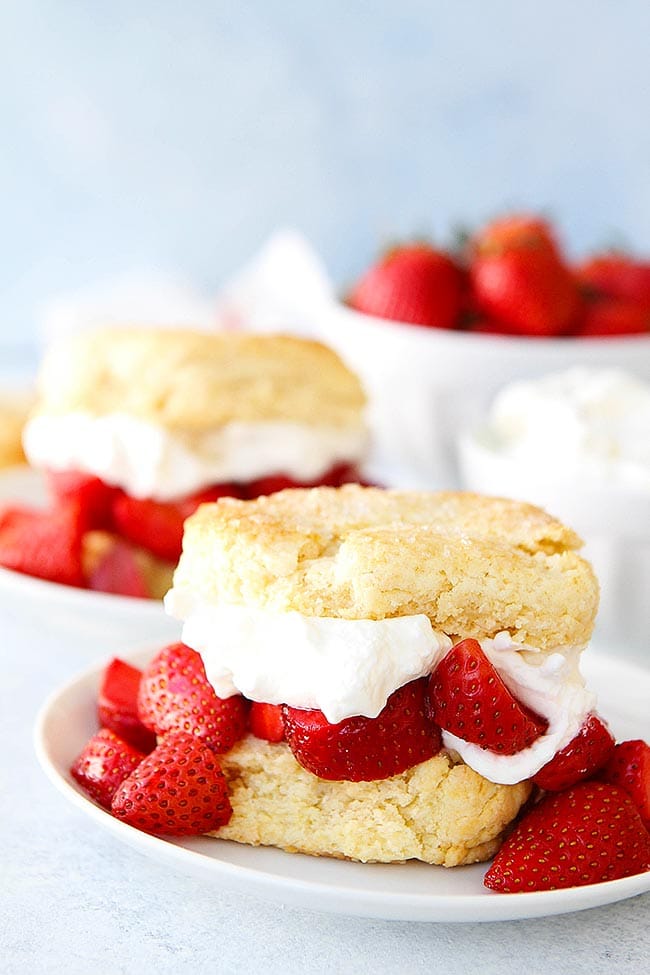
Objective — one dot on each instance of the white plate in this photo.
(411, 891)
(100, 618)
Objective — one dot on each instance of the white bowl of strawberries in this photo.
(434, 335)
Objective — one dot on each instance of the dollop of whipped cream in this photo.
(351, 667)
(583, 421)
(149, 461)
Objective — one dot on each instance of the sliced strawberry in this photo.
(118, 572)
(45, 544)
(187, 506)
(154, 525)
(580, 759)
(629, 768)
(587, 835)
(105, 761)
(468, 698)
(266, 722)
(413, 283)
(178, 790)
(269, 485)
(336, 476)
(95, 499)
(362, 749)
(117, 705)
(175, 696)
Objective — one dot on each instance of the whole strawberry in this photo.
(412, 283)
(617, 275)
(360, 749)
(520, 279)
(175, 695)
(103, 764)
(612, 317)
(178, 790)
(581, 758)
(587, 835)
(629, 768)
(468, 698)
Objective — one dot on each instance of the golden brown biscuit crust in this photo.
(194, 381)
(439, 812)
(473, 565)
(13, 414)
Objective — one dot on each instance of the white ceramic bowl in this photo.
(614, 522)
(426, 385)
(101, 620)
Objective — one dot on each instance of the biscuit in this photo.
(13, 414)
(474, 565)
(192, 381)
(438, 811)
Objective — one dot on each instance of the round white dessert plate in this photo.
(411, 891)
(101, 616)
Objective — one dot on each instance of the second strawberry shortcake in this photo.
(412, 659)
(136, 427)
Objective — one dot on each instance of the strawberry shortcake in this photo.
(136, 427)
(378, 676)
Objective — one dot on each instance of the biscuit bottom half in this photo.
(440, 811)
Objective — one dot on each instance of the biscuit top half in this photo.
(195, 381)
(474, 565)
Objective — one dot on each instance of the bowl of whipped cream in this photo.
(577, 442)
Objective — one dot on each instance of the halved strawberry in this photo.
(178, 790)
(361, 749)
(118, 572)
(266, 722)
(468, 698)
(587, 835)
(103, 764)
(580, 759)
(154, 525)
(94, 497)
(175, 695)
(412, 283)
(117, 705)
(158, 525)
(45, 544)
(629, 768)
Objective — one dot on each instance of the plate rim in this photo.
(329, 897)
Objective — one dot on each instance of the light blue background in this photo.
(177, 135)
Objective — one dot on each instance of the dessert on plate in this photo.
(372, 675)
(136, 427)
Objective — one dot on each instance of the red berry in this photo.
(95, 499)
(266, 722)
(629, 768)
(612, 317)
(617, 276)
(154, 525)
(361, 749)
(118, 572)
(412, 283)
(117, 705)
(105, 761)
(178, 790)
(587, 835)
(45, 544)
(580, 759)
(175, 696)
(468, 698)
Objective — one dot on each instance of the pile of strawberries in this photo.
(154, 763)
(49, 544)
(512, 279)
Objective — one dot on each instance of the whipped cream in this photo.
(592, 423)
(351, 667)
(149, 461)
(341, 667)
